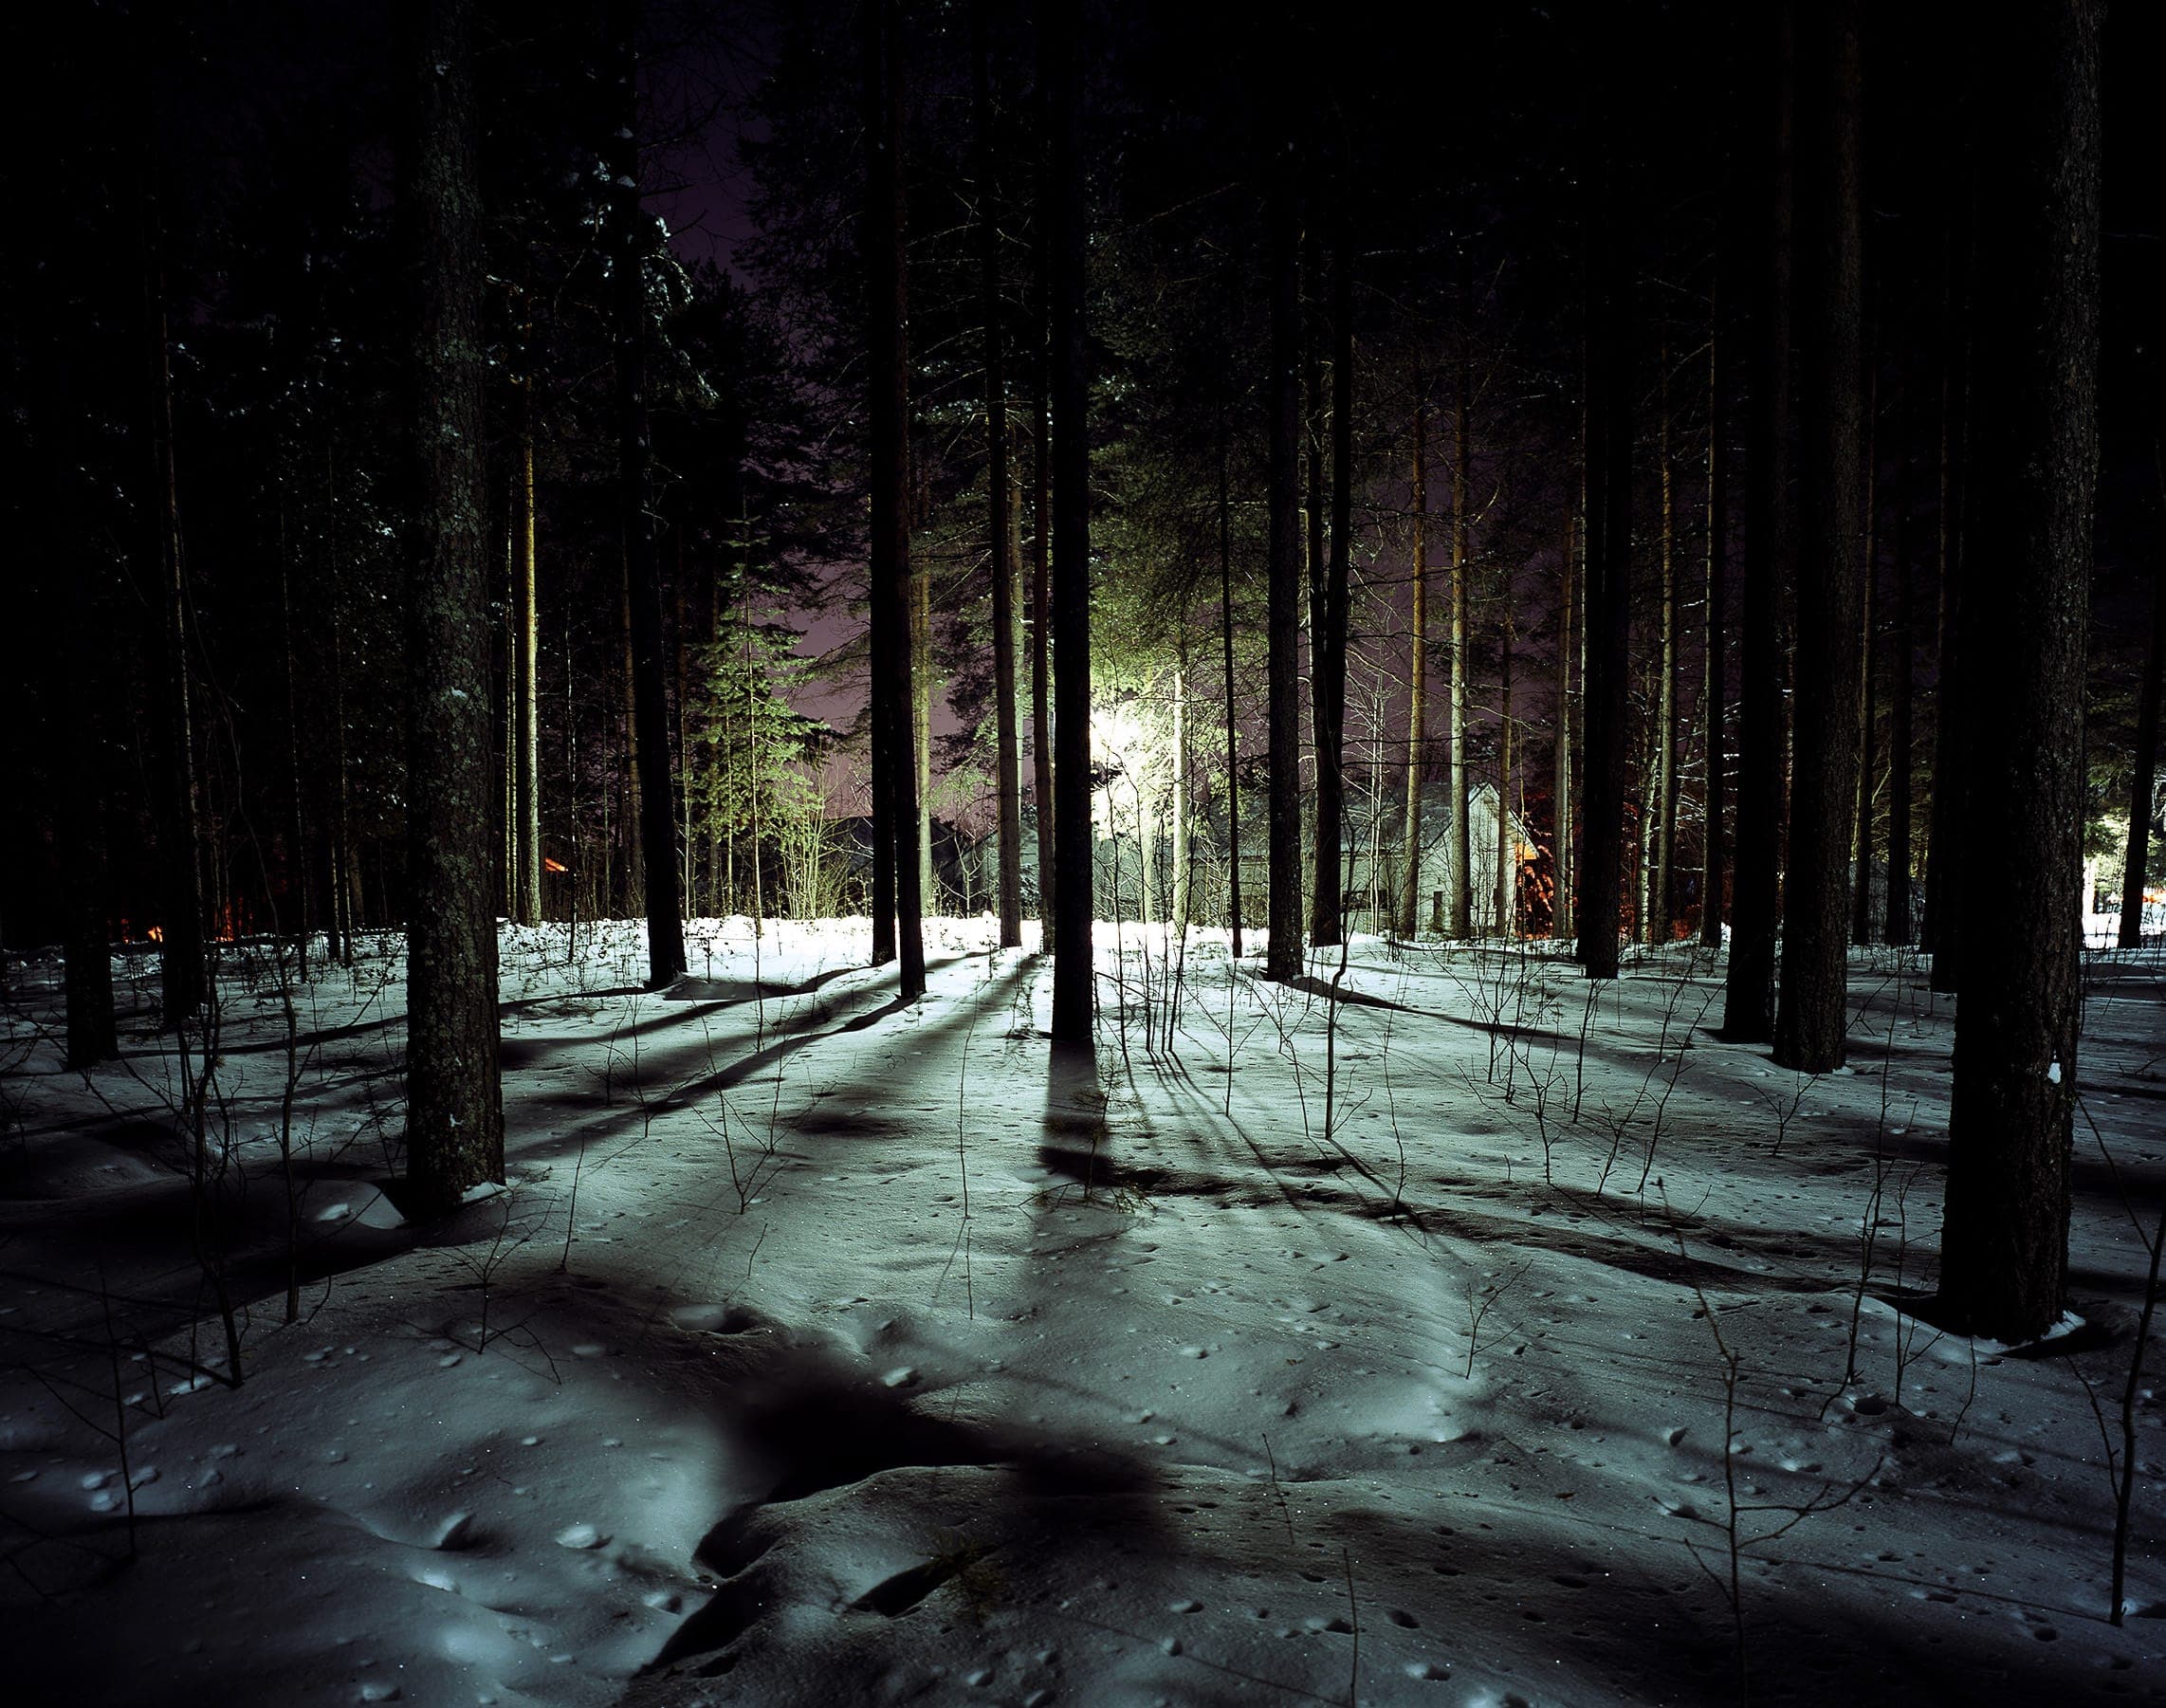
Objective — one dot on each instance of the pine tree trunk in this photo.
(2143, 763)
(1043, 661)
(1459, 858)
(1902, 643)
(526, 642)
(1943, 835)
(1755, 895)
(1416, 679)
(1074, 982)
(1283, 400)
(1000, 505)
(888, 366)
(298, 863)
(1662, 795)
(1813, 1012)
(1714, 684)
(656, 818)
(183, 973)
(1233, 721)
(1507, 862)
(454, 1111)
(1179, 912)
(1868, 686)
(87, 961)
(1328, 637)
(2004, 1253)
(1561, 807)
(1608, 558)
(920, 729)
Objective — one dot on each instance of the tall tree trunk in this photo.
(342, 887)
(657, 814)
(1869, 638)
(631, 818)
(1283, 400)
(894, 769)
(2004, 1249)
(1459, 859)
(1813, 1012)
(2143, 763)
(1232, 722)
(1073, 971)
(526, 642)
(1714, 684)
(1756, 896)
(1827, 764)
(1179, 912)
(1042, 656)
(88, 969)
(1561, 808)
(303, 919)
(1416, 679)
(454, 1107)
(1662, 795)
(1943, 809)
(921, 728)
(1608, 559)
(1328, 636)
(1507, 909)
(1902, 643)
(181, 965)
(999, 501)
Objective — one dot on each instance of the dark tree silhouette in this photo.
(2004, 1251)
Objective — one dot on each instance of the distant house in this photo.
(1134, 867)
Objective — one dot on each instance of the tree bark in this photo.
(1283, 400)
(1073, 969)
(999, 501)
(1459, 857)
(183, 972)
(1417, 678)
(1813, 1012)
(657, 816)
(1608, 559)
(88, 960)
(2004, 1253)
(1715, 683)
(526, 643)
(1561, 807)
(1896, 926)
(1328, 635)
(2143, 764)
(1944, 811)
(454, 1109)
(1663, 795)
(1868, 643)
(1179, 911)
(894, 773)
(1233, 723)
(1756, 896)
(1507, 899)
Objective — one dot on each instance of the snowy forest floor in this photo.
(1427, 1344)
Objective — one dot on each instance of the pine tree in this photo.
(1755, 898)
(2004, 1251)
(1813, 1013)
(454, 1111)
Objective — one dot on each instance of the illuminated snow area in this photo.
(843, 1353)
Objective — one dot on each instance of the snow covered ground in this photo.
(1427, 1345)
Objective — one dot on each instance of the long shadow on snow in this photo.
(685, 1094)
(808, 1425)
